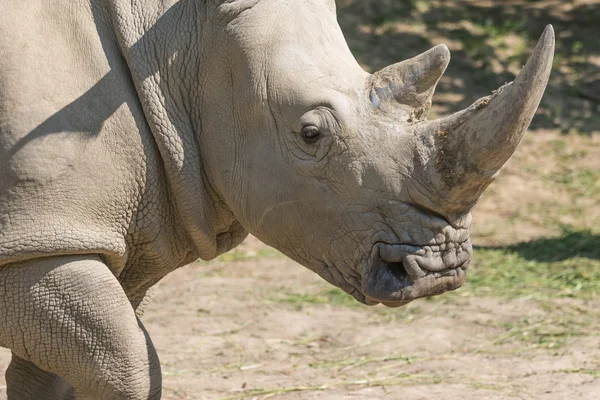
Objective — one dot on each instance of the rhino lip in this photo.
(398, 274)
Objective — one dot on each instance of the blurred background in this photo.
(255, 325)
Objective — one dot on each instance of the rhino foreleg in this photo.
(25, 381)
(70, 317)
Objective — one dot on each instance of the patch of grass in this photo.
(550, 331)
(573, 243)
(298, 300)
(339, 297)
(565, 169)
(254, 393)
(593, 372)
(581, 181)
(238, 254)
(568, 266)
(546, 334)
(398, 379)
(499, 29)
(351, 362)
(330, 295)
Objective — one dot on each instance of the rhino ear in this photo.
(410, 83)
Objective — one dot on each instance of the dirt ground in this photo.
(226, 334)
(259, 326)
(233, 330)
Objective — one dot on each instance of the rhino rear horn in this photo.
(411, 83)
(471, 146)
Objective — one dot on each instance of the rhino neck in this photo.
(160, 41)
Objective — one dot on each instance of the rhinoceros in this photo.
(138, 136)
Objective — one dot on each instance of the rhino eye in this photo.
(310, 134)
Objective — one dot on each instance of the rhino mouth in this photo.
(398, 274)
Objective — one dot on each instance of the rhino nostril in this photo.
(397, 269)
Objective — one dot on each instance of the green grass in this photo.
(238, 254)
(567, 266)
(580, 181)
(331, 295)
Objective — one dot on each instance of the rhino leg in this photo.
(25, 380)
(69, 316)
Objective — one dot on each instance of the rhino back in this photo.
(79, 170)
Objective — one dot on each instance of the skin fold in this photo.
(136, 137)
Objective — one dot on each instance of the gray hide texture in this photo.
(137, 136)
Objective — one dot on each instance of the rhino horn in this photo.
(472, 145)
(410, 83)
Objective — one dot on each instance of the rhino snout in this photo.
(400, 273)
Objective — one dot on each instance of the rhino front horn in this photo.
(471, 146)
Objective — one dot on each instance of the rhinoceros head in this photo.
(340, 169)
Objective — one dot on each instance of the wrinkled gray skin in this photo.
(138, 136)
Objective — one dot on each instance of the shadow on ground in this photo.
(571, 244)
(490, 41)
